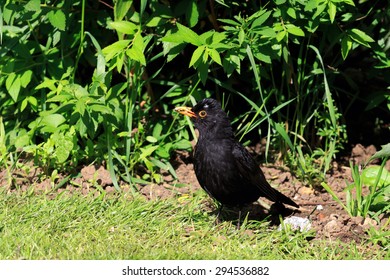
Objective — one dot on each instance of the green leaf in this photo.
(292, 13)
(22, 141)
(64, 146)
(295, 30)
(121, 8)
(203, 71)
(13, 85)
(371, 173)
(280, 36)
(192, 13)
(147, 151)
(57, 19)
(47, 83)
(53, 120)
(263, 57)
(383, 153)
(320, 9)
(151, 139)
(189, 36)
(230, 22)
(360, 37)
(103, 109)
(25, 79)
(197, 55)
(162, 152)
(215, 56)
(33, 5)
(231, 63)
(112, 50)
(182, 145)
(33, 101)
(157, 129)
(349, 2)
(332, 9)
(258, 22)
(266, 32)
(241, 36)
(136, 52)
(174, 38)
(346, 45)
(172, 50)
(155, 21)
(125, 27)
(76, 90)
(23, 105)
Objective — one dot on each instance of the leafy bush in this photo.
(92, 81)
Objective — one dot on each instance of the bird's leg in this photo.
(218, 214)
(239, 217)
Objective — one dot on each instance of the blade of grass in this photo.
(334, 196)
(257, 79)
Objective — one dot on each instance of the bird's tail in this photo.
(286, 200)
(276, 196)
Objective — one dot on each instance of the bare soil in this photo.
(331, 222)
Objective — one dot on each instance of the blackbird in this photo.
(223, 167)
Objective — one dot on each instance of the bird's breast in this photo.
(214, 165)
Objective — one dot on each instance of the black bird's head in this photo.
(208, 118)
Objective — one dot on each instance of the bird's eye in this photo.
(202, 114)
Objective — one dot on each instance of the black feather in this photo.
(223, 167)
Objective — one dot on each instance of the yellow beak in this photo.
(187, 111)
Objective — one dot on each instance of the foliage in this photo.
(78, 87)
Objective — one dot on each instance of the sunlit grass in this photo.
(125, 227)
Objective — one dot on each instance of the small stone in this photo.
(357, 220)
(305, 191)
(368, 222)
(332, 226)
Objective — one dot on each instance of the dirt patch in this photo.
(327, 217)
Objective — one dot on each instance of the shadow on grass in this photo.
(255, 212)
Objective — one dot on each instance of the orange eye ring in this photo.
(202, 114)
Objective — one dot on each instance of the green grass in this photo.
(124, 227)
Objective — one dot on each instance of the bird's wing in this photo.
(251, 172)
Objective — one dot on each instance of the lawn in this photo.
(123, 226)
